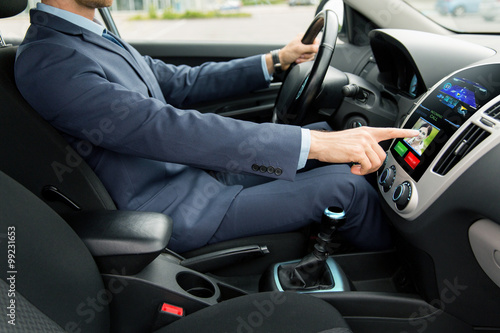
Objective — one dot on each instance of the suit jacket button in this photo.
(263, 168)
(278, 172)
(255, 167)
(270, 169)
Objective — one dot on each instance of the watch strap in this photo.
(276, 60)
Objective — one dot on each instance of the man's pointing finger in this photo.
(382, 134)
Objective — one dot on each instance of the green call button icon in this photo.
(400, 148)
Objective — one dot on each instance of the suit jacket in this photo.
(126, 115)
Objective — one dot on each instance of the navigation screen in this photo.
(458, 90)
(438, 117)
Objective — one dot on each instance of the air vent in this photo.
(494, 111)
(468, 140)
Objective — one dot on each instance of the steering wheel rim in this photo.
(303, 82)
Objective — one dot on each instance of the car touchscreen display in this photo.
(438, 117)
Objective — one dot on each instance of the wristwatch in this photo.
(276, 60)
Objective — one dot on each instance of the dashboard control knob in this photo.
(387, 177)
(402, 195)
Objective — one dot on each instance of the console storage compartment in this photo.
(122, 242)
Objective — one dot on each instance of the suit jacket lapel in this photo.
(127, 54)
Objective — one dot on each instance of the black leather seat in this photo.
(52, 279)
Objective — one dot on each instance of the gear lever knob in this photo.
(333, 218)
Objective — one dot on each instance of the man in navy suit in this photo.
(218, 178)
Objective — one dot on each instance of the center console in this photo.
(148, 287)
(456, 121)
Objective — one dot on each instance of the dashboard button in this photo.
(487, 122)
(400, 148)
(412, 160)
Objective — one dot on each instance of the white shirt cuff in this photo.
(267, 76)
(304, 149)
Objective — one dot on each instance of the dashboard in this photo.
(458, 123)
(440, 190)
(453, 84)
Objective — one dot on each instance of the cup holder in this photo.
(195, 285)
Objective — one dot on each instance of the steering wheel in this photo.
(303, 81)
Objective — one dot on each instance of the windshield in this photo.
(462, 15)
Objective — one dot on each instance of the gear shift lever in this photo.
(310, 271)
(333, 218)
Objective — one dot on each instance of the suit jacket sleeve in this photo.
(77, 98)
(183, 85)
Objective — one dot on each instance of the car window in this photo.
(462, 15)
(274, 21)
(213, 20)
(14, 28)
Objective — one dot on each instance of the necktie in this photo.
(111, 38)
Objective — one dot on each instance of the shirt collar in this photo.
(71, 17)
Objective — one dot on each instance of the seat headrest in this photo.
(10, 8)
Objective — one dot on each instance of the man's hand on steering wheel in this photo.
(294, 52)
(303, 82)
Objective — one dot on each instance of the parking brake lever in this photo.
(52, 193)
